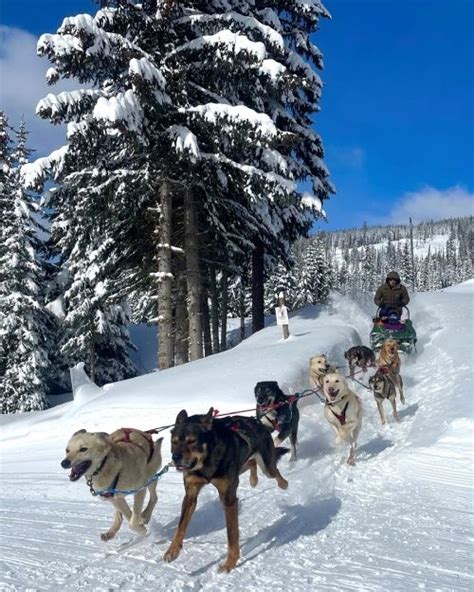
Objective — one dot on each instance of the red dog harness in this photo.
(149, 439)
(342, 416)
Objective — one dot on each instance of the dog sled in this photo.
(401, 330)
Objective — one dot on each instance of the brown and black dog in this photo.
(383, 387)
(210, 450)
(359, 356)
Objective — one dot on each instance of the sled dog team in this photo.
(207, 449)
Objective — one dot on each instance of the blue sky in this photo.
(397, 108)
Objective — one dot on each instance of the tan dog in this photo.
(343, 410)
(389, 360)
(318, 368)
(125, 460)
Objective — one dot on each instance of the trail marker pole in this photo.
(281, 313)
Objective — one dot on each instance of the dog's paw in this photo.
(228, 565)
(351, 461)
(138, 528)
(253, 480)
(402, 399)
(172, 552)
(107, 536)
(282, 483)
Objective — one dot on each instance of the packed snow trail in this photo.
(400, 520)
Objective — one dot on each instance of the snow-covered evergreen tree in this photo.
(324, 272)
(308, 281)
(25, 325)
(173, 101)
(283, 279)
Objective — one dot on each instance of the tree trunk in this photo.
(181, 320)
(92, 361)
(224, 311)
(165, 317)
(242, 310)
(258, 319)
(206, 327)
(214, 310)
(193, 276)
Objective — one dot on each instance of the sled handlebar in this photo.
(405, 307)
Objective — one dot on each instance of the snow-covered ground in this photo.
(401, 519)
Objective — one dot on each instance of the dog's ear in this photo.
(278, 390)
(83, 431)
(182, 416)
(102, 434)
(206, 420)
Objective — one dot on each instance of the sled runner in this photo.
(400, 330)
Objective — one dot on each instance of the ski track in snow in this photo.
(400, 520)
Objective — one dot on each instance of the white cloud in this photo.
(430, 203)
(23, 84)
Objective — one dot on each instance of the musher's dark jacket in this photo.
(394, 298)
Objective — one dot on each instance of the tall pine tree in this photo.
(25, 324)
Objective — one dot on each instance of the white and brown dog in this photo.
(318, 368)
(343, 410)
(124, 460)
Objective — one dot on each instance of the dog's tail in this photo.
(280, 451)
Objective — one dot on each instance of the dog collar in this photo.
(101, 466)
(95, 473)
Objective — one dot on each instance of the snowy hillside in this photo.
(436, 244)
(401, 519)
(442, 254)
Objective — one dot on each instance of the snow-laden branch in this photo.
(314, 203)
(213, 112)
(147, 71)
(272, 68)
(67, 104)
(298, 65)
(124, 108)
(233, 42)
(285, 185)
(271, 35)
(34, 174)
(184, 140)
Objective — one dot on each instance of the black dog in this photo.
(359, 356)
(210, 450)
(279, 412)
